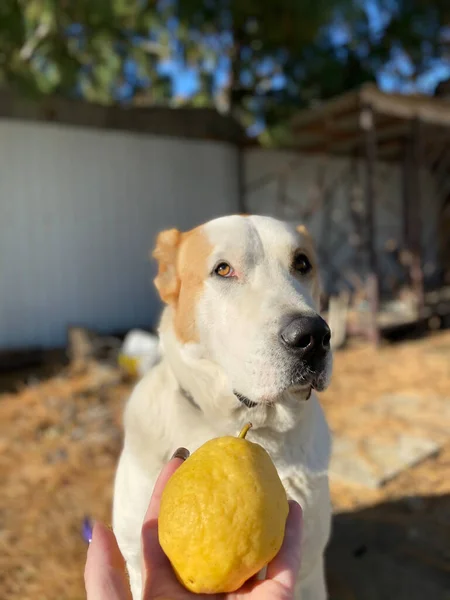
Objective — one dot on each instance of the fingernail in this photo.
(182, 453)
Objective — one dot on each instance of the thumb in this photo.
(104, 575)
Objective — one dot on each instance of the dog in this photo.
(241, 340)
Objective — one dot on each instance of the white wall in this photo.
(79, 210)
(302, 186)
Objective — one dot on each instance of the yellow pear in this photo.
(223, 515)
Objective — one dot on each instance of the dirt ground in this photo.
(59, 442)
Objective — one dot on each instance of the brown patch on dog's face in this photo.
(183, 268)
(310, 249)
(192, 271)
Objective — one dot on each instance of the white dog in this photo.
(241, 341)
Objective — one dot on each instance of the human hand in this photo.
(106, 579)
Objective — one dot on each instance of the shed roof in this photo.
(335, 126)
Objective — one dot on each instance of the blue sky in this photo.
(388, 80)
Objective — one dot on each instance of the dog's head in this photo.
(244, 292)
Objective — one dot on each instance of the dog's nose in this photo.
(306, 335)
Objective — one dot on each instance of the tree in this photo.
(260, 59)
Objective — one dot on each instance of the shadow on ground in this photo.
(21, 368)
(396, 550)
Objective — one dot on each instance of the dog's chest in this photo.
(302, 483)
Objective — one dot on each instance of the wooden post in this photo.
(406, 190)
(373, 287)
(242, 197)
(281, 195)
(355, 198)
(415, 217)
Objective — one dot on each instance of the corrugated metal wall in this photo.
(79, 210)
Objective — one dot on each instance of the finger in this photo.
(104, 574)
(152, 553)
(285, 566)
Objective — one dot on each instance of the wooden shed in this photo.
(367, 129)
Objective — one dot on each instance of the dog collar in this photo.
(189, 398)
(242, 399)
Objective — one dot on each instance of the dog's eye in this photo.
(223, 269)
(302, 264)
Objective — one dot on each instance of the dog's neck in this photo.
(199, 380)
(203, 384)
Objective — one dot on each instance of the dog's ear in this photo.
(167, 281)
(310, 245)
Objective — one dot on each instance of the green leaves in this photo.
(273, 56)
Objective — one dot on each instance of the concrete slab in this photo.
(374, 462)
(388, 436)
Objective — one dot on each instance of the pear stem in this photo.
(244, 430)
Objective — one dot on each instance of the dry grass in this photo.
(60, 439)
(58, 447)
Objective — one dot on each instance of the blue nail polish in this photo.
(86, 530)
